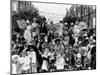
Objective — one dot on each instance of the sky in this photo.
(53, 11)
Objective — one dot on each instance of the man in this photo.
(93, 57)
(71, 27)
(60, 29)
(44, 28)
(65, 27)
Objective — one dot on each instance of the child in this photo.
(14, 63)
(45, 60)
(60, 62)
(33, 63)
(51, 55)
(25, 61)
(78, 62)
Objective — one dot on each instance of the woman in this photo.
(27, 34)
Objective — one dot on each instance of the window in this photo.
(85, 10)
(94, 7)
(14, 8)
(79, 15)
(94, 22)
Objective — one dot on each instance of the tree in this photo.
(70, 19)
(29, 14)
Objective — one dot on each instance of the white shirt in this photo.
(15, 58)
(44, 65)
(60, 62)
(45, 39)
(14, 68)
(25, 63)
(61, 29)
(51, 55)
(27, 35)
(89, 55)
(32, 55)
(34, 25)
(66, 40)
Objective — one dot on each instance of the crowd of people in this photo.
(52, 47)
